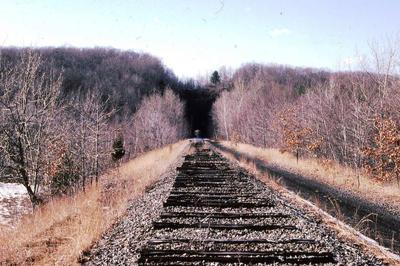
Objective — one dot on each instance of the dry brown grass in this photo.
(329, 172)
(344, 232)
(58, 232)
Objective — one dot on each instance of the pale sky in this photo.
(195, 37)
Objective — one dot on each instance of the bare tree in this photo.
(158, 121)
(28, 100)
(335, 115)
(89, 137)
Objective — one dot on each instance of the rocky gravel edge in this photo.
(121, 245)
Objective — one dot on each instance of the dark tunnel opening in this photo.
(198, 106)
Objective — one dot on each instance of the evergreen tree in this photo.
(118, 148)
(215, 78)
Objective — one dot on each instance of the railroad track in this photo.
(216, 214)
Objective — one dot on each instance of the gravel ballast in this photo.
(120, 246)
(188, 221)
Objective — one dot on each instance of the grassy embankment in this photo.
(329, 172)
(58, 232)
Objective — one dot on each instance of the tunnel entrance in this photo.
(198, 105)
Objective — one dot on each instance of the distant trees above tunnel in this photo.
(122, 77)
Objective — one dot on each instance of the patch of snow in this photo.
(14, 202)
(11, 190)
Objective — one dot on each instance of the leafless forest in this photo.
(350, 117)
(64, 111)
